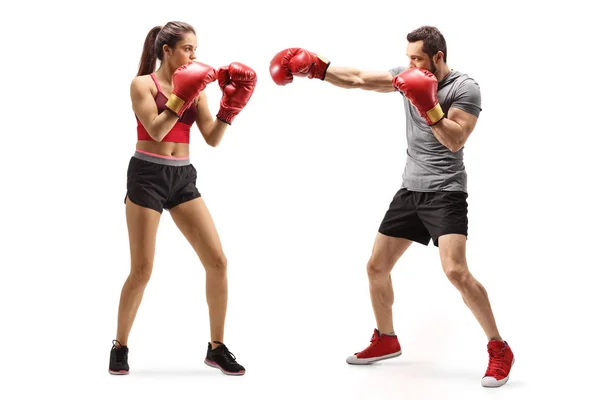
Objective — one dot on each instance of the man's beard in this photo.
(433, 69)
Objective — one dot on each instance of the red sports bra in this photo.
(180, 133)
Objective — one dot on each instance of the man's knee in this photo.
(457, 273)
(454, 259)
(378, 269)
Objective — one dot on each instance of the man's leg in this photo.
(453, 256)
(399, 228)
(386, 252)
(384, 342)
(445, 216)
(454, 262)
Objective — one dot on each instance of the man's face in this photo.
(418, 59)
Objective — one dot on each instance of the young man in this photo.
(442, 107)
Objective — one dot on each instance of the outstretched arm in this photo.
(299, 62)
(353, 78)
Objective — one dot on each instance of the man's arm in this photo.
(353, 78)
(463, 114)
(454, 131)
(420, 88)
(299, 62)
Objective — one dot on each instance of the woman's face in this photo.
(184, 51)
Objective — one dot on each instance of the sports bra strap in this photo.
(155, 79)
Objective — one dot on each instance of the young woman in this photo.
(166, 103)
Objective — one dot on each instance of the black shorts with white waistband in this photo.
(422, 216)
(159, 183)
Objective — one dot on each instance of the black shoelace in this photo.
(120, 353)
(226, 353)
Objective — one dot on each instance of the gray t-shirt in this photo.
(430, 166)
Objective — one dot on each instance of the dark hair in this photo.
(433, 40)
(158, 36)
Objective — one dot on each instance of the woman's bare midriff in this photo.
(164, 149)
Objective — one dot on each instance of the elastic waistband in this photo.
(160, 159)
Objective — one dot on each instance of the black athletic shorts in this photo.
(159, 183)
(422, 216)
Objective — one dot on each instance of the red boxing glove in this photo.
(420, 87)
(297, 62)
(237, 82)
(188, 81)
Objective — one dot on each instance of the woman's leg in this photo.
(196, 224)
(142, 224)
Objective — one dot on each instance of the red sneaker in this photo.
(501, 361)
(381, 348)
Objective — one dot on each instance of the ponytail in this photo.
(149, 56)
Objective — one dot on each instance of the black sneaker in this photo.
(118, 359)
(223, 359)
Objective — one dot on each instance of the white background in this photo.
(297, 190)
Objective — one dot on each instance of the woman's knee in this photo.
(217, 263)
(140, 274)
